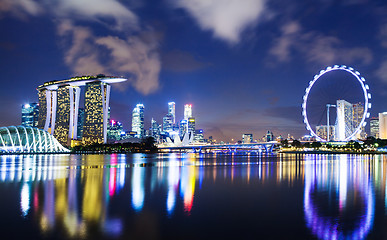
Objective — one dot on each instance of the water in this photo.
(192, 196)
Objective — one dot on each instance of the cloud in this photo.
(20, 8)
(126, 47)
(315, 47)
(180, 61)
(227, 19)
(135, 55)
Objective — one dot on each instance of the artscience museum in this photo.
(21, 139)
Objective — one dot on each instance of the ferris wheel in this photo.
(339, 87)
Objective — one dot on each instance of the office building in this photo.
(168, 123)
(114, 131)
(383, 125)
(247, 138)
(344, 125)
(183, 127)
(374, 127)
(172, 111)
(199, 136)
(155, 130)
(30, 114)
(187, 111)
(138, 121)
(59, 108)
(358, 112)
(191, 125)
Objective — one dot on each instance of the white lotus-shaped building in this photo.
(21, 139)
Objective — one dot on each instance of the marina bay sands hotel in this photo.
(59, 104)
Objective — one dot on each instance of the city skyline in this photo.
(244, 68)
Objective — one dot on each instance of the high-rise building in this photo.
(187, 111)
(114, 131)
(321, 131)
(247, 138)
(155, 130)
(191, 125)
(59, 102)
(138, 120)
(183, 127)
(168, 123)
(66, 114)
(97, 96)
(358, 112)
(30, 114)
(172, 110)
(374, 127)
(81, 122)
(344, 121)
(383, 125)
(199, 136)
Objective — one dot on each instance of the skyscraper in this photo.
(383, 125)
(321, 131)
(114, 131)
(138, 120)
(191, 125)
(66, 114)
(96, 113)
(187, 111)
(168, 123)
(155, 130)
(344, 125)
(30, 114)
(183, 127)
(374, 127)
(172, 111)
(58, 107)
(358, 112)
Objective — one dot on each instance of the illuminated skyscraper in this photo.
(96, 113)
(138, 120)
(171, 110)
(168, 123)
(191, 125)
(344, 121)
(59, 102)
(66, 114)
(187, 111)
(183, 127)
(374, 127)
(30, 113)
(383, 125)
(358, 112)
(114, 131)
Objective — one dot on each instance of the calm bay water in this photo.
(192, 196)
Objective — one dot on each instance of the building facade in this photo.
(138, 121)
(247, 138)
(187, 111)
(374, 127)
(344, 125)
(30, 115)
(172, 111)
(383, 125)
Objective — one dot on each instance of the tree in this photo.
(296, 143)
(284, 143)
(316, 145)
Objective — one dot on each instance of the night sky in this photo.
(243, 64)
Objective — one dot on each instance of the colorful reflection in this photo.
(347, 177)
(81, 193)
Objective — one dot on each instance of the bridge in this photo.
(265, 147)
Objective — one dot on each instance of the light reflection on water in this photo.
(78, 193)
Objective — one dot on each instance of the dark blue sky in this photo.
(244, 65)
